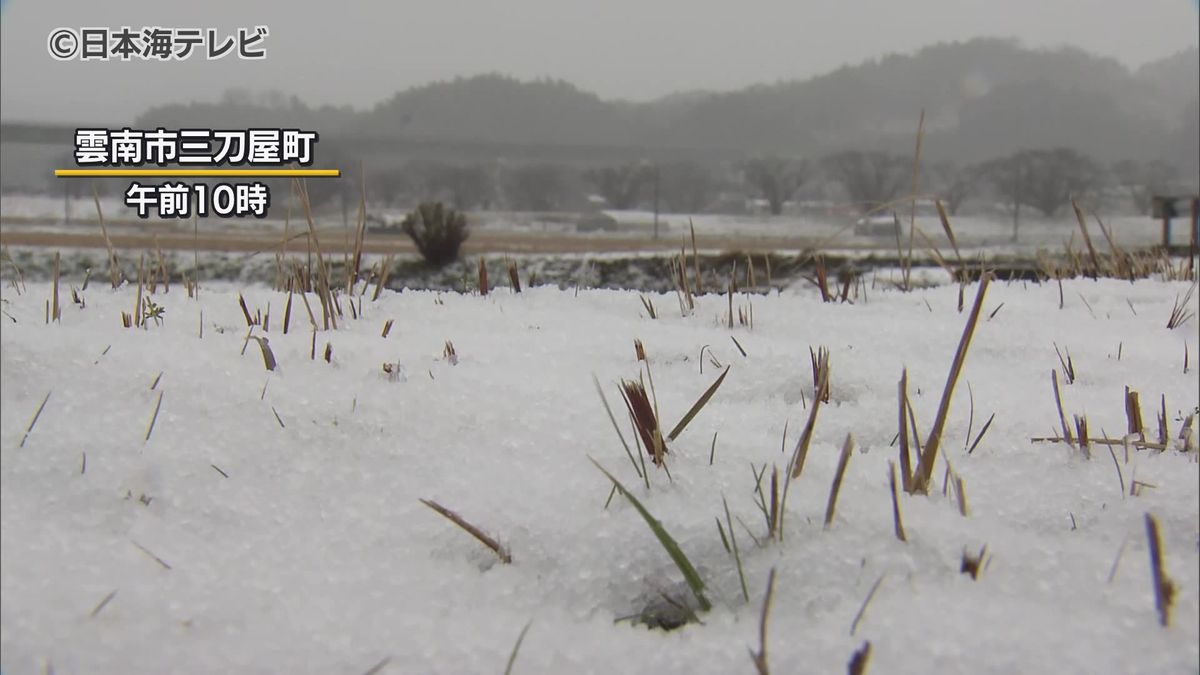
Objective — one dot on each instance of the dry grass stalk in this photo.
(378, 667)
(267, 354)
(360, 232)
(163, 273)
(984, 430)
(801, 451)
(1081, 431)
(1117, 466)
(760, 657)
(287, 313)
(449, 353)
(649, 305)
(385, 270)
(1164, 587)
(1181, 312)
(55, 310)
(839, 474)
(33, 421)
(1164, 431)
(1062, 418)
(512, 658)
(821, 280)
(937, 256)
(151, 555)
(960, 493)
(514, 277)
(929, 453)
(323, 285)
(103, 603)
(18, 283)
(1133, 413)
(738, 345)
(328, 352)
(500, 551)
(153, 418)
(637, 401)
(245, 310)
(974, 564)
(773, 511)
(945, 220)
(862, 609)
(1068, 366)
(860, 660)
(137, 305)
(696, 259)
(387, 327)
(897, 521)
(114, 268)
(815, 358)
(906, 261)
(639, 351)
(906, 473)
(1087, 238)
(1185, 434)
(698, 405)
(1140, 445)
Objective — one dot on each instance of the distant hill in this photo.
(982, 98)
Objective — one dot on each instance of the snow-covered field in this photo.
(46, 213)
(270, 522)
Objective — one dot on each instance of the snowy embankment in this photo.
(177, 508)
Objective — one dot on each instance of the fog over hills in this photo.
(982, 98)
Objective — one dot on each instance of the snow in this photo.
(315, 555)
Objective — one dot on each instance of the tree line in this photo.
(1043, 180)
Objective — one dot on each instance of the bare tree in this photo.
(1143, 180)
(687, 186)
(621, 186)
(535, 187)
(464, 187)
(954, 184)
(869, 178)
(1043, 179)
(775, 179)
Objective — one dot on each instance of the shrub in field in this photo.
(437, 232)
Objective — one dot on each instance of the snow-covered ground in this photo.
(270, 523)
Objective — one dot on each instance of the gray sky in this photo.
(359, 52)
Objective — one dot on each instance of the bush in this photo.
(437, 232)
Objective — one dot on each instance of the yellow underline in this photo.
(164, 173)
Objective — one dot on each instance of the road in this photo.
(338, 241)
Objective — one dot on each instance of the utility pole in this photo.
(656, 201)
(1017, 185)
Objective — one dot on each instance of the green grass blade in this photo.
(672, 547)
(737, 556)
(611, 418)
(712, 389)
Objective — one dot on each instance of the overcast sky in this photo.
(359, 52)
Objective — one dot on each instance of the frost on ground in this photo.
(271, 522)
